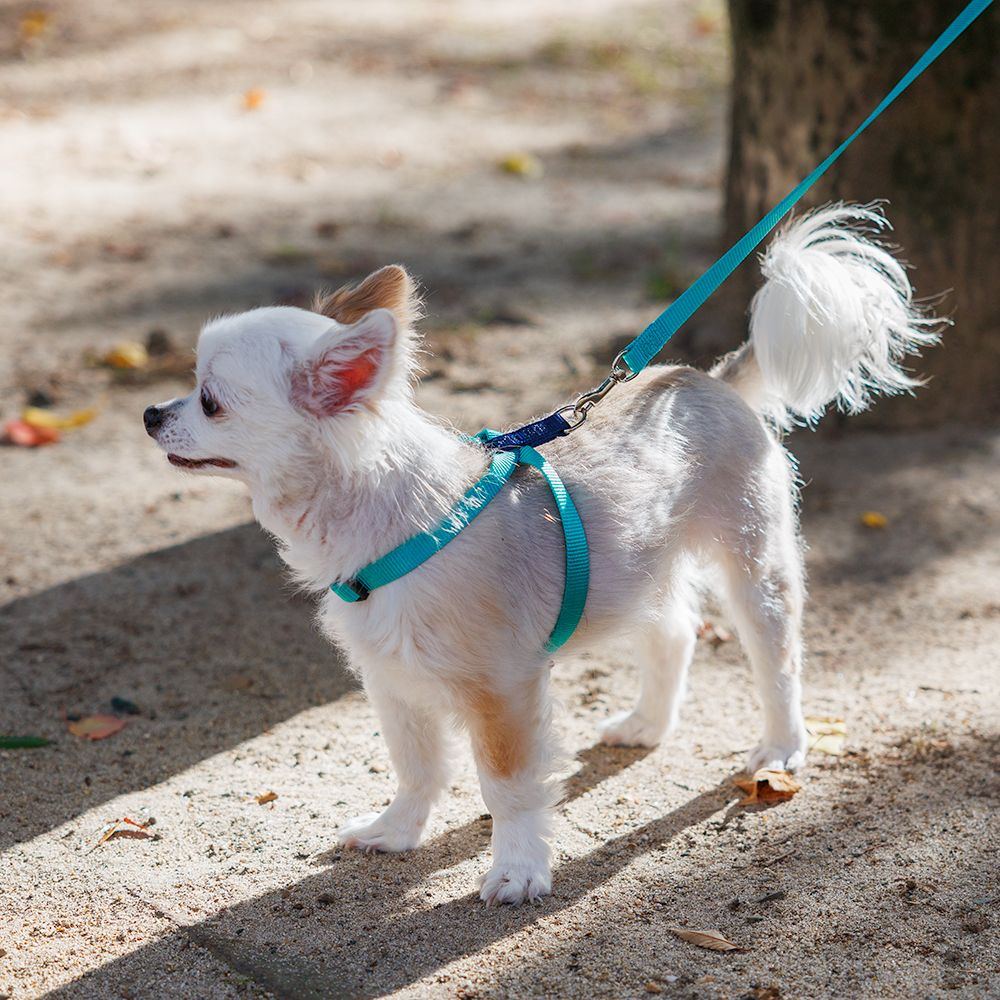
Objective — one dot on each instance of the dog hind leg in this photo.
(766, 598)
(664, 653)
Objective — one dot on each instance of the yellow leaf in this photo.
(523, 165)
(826, 735)
(766, 785)
(38, 417)
(127, 354)
(34, 23)
(713, 940)
(873, 519)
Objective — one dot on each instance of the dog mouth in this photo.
(200, 463)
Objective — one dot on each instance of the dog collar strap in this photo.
(577, 555)
(421, 547)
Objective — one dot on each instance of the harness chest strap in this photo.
(420, 548)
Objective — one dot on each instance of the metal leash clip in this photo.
(620, 372)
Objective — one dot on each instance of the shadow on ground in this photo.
(198, 637)
(307, 941)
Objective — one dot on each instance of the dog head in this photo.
(281, 386)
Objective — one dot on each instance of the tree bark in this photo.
(806, 73)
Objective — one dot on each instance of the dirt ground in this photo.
(551, 171)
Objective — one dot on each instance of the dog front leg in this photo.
(417, 744)
(510, 741)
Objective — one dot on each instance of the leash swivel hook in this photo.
(620, 372)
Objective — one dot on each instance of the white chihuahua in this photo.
(677, 474)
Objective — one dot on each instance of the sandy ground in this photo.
(163, 162)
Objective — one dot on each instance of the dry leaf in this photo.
(826, 735)
(766, 786)
(28, 435)
(44, 420)
(523, 165)
(712, 940)
(33, 24)
(236, 683)
(266, 797)
(113, 833)
(873, 519)
(254, 98)
(128, 354)
(714, 633)
(97, 727)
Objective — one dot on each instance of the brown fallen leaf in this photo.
(96, 727)
(113, 833)
(236, 683)
(714, 633)
(713, 940)
(766, 786)
(266, 797)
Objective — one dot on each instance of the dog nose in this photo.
(152, 418)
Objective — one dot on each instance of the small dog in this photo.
(678, 476)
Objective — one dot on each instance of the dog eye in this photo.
(209, 406)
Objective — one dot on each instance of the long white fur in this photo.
(678, 477)
(835, 316)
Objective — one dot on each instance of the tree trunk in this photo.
(806, 73)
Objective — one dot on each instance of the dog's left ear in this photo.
(388, 288)
(347, 368)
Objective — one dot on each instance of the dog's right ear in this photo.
(347, 368)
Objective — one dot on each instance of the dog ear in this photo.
(389, 288)
(346, 367)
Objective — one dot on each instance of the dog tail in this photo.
(833, 321)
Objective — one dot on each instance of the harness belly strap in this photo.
(420, 548)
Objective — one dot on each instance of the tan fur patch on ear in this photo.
(389, 288)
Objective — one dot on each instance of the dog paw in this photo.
(628, 729)
(514, 884)
(777, 757)
(370, 833)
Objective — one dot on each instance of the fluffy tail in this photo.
(833, 320)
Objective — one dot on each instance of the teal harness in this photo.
(420, 548)
(516, 447)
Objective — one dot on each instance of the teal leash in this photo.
(517, 447)
(639, 353)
